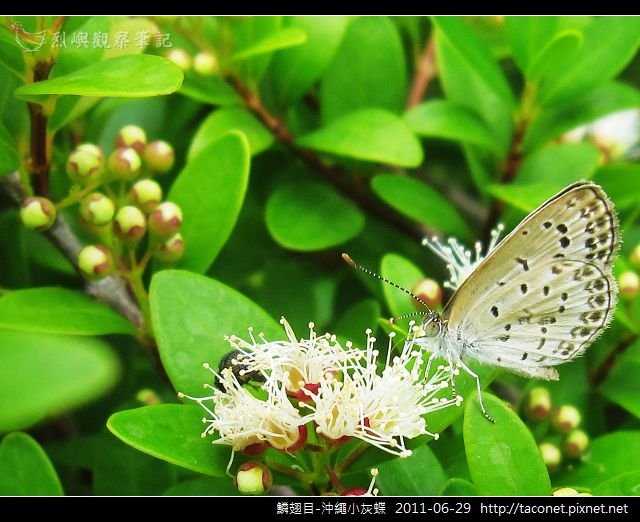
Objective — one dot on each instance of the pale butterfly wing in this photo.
(546, 292)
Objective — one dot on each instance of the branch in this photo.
(39, 162)
(425, 72)
(333, 174)
(111, 290)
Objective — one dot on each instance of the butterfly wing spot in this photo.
(565, 241)
(562, 228)
(564, 296)
(525, 232)
(547, 224)
(524, 356)
(524, 263)
(545, 290)
(561, 308)
(494, 311)
(523, 288)
(544, 330)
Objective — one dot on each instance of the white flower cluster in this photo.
(316, 383)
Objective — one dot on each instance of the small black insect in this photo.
(233, 361)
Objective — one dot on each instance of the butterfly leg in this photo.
(452, 373)
(475, 376)
(429, 361)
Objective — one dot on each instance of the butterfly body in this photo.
(542, 296)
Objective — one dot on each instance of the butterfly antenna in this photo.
(357, 266)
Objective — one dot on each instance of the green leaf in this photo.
(611, 455)
(528, 35)
(626, 484)
(368, 70)
(421, 203)
(210, 191)
(171, 432)
(191, 316)
(9, 160)
(209, 89)
(610, 42)
(621, 385)
(403, 272)
(308, 216)
(119, 469)
(368, 135)
(123, 76)
(294, 71)
(203, 487)
(471, 77)
(523, 197)
(227, 119)
(622, 182)
(561, 46)
(457, 487)
(448, 120)
(559, 165)
(25, 468)
(357, 319)
(284, 38)
(503, 457)
(45, 375)
(554, 121)
(59, 310)
(418, 475)
(12, 55)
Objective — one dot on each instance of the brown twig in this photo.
(601, 373)
(39, 163)
(425, 72)
(333, 174)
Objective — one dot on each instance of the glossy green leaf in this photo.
(419, 475)
(421, 203)
(123, 76)
(523, 197)
(403, 272)
(626, 484)
(210, 191)
(621, 385)
(622, 182)
(203, 487)
(503, 457)
(294, 71)
(59, 310)
(448, 120)
(191, 316)
(119, 469)
(528, 35)
(471, 77)
(284, 38)
(245, 33)
(9, 160)
(11, 55)
(457, 487)
(561, 46)
(611, 455)
(308, 216)
(227, 119)
(610, 42)
(171, 432)
(554, 121)
(355, 321)
(368, 135)
(42, 375)
(209, 89)
(25, 468)
(368, 70)
(560, 165)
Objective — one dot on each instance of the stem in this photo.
(333, 174)
(75, 196)
(40, 153)
(425, 72)
(602, 372)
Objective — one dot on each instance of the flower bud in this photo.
(38, 213)
(253, 478)
(428, 291)
(146, 194)
(130, 224)
(629, 284)
(131, 136)
(93, 149)
(84, 166)
(551, 455)
(159, 156)
(565, 419)
(569, 492)
(165, 219)
(171, 250)
(180, 57)
(576, 444)
(124, 163)
(97, 209)
(205, 63)
(95, 261)
(635, 256)
(148, 397)
(537, 405)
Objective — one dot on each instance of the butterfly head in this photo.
(432, 326)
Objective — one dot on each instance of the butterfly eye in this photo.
(431, 327)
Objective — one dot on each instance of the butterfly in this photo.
(539, 298)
